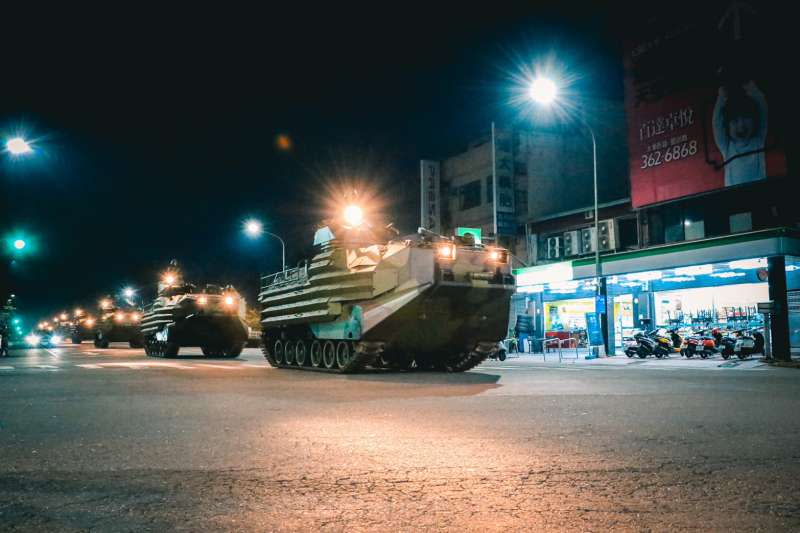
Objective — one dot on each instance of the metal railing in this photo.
(552, 343)
(298, 274)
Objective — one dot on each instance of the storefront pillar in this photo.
(779, 321)
(602, 292)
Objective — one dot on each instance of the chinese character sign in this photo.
(700, 103)
(430, 184)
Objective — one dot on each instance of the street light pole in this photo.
(283, 249)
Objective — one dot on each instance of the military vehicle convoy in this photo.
(368, 298)
(82, 327)
(117, 324)
(182, 315)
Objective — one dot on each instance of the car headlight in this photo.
(33, 340)
(56, 339)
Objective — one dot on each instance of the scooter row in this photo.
(704, 343)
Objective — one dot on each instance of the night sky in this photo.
(155, 131)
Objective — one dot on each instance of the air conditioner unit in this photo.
(553, 247)
(572, 243)
(608, 235)
(587, 240)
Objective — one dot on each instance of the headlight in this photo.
(90, 322)
(119, 317)
(446, 251)
(353, 215)
(498, 256)
(135, 317)
(33, 340)
(56, 339)
(202, 300)
(229, 300)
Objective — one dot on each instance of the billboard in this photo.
(430, 190)
(505, 221)
(702, 102)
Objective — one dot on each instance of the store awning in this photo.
(765, 243)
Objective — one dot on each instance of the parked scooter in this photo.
(651, 343)
(699, 343)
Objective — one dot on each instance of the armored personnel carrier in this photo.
(211, 317)
(117, 324)
(82, 327)
(370, 299)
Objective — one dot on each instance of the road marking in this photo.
(6, 368)
(89, 366)
(47, 367)
(224, 367)
(263, 365)
(53, 354)
(140, 366)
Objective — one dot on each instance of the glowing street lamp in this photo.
(128, 292)
(20, 244)
(18, 146)
(254, 228)
(544, 91)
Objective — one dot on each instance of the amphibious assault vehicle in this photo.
(211, 317)
(82, 327)
(117, 324)
(368, 298)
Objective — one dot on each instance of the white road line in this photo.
(6, 368)
(141, 366)
(47, 367)
(264, 365)
(52, 353)
(89, 366)
(223, 367)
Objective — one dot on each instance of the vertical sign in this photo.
(505, 220)
(430, 187)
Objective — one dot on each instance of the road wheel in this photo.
(288, 350)
(171, 349)
(329, 354)
(316, 354)
(135, 344)
(725, 355)
(278, 352)
(501, 355)
(642, 353)
(102, 343)
(300, 353)
(232, 351)
(343, 354)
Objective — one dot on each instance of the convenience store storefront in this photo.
(717, 281)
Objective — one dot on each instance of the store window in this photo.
(741, 222)
(470, 195)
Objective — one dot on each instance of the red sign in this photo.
(698, 103)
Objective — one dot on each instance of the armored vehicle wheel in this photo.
(289, 352)
(171, 349)
(329, 354)
(101, 343)
(277, 352)
(316, 354)
(135, 344)
(232, 351)
(208, 351)
(300, 356)
(343, 354)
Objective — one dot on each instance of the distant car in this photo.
(43, 339)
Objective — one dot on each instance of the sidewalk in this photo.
(568, 358)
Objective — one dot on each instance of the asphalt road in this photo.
(108, 440)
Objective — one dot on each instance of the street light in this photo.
(20, 244)
(18, 146)
(254, 228)
(128, 292)
(544, 91)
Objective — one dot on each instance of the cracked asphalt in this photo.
(120, 444)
